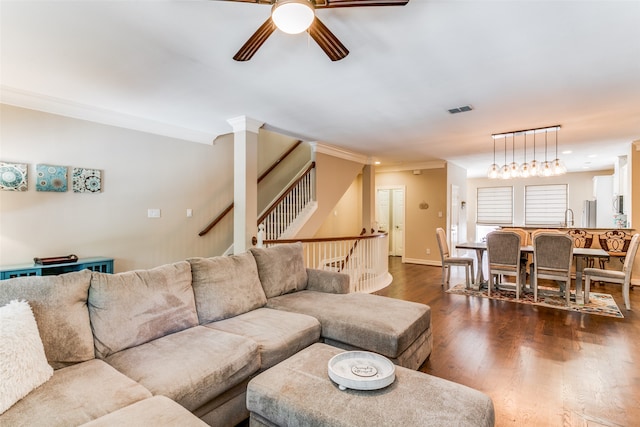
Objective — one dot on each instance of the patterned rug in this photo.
(602, 304)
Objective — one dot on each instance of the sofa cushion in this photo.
(59, 304)
(279, 334)
(156, 411)
(226, 286)
(191, 366)
(372, 322)
(75, 395)
(281, 268)
(132, 308)
(23, 364)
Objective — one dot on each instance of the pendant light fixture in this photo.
(514, 169)
(494, 169)
(525, 169)
(546, 166)
(558, 165)
(535, 168)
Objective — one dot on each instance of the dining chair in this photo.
(616, 243)
(614, 276)
(552, 259)
(448, 261)
(503, 251)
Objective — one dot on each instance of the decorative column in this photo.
(368, 197)
(245, 181)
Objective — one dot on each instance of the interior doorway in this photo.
(390, 202)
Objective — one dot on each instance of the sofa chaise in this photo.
(194, 333)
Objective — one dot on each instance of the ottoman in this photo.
(298, 392)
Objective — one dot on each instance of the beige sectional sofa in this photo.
(132, 345)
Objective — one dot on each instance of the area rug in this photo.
(601, 304)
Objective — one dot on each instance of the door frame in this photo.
(403, 189)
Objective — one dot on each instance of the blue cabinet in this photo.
(104, 265)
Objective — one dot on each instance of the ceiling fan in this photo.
(301, 15)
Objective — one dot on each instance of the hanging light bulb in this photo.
(494, 169)
(505, 171)
(558, 166)
(547, 170)
(514, 169)
(525, 169)
(535, 168)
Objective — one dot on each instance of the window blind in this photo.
(495, 206)
(545, 204)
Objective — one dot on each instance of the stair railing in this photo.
(262, 176)
(364, 258)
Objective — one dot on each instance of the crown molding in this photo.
(76, 110)
(435, 164)
(245, 124)
(330, 150)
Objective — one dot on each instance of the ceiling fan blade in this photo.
(325, 4)
(255, 41)
(327, 40)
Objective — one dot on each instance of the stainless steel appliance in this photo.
(589, 212)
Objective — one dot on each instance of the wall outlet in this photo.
(189, 213)
(428, 251)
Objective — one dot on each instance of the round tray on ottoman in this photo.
(361, 370)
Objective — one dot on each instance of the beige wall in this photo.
(345, 218)
(429, 186)
(334, 176)
(140, 171)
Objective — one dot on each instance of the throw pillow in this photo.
(281, 268)
(226, 286)
(23, 364)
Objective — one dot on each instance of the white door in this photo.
(390, 216)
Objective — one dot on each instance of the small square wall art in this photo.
(51, 178)
(13, 176)
(86, 180)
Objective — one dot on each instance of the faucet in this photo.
(566, 219)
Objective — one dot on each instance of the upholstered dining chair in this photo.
(448, 261)
(503, 250)
(616, 243)
(552, 259)
(614, 276)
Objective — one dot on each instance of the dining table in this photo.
(580, 254)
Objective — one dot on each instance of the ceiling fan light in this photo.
(292, 16)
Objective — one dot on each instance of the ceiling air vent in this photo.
(462, 109)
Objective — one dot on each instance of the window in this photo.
(495, 206)
(545, 204)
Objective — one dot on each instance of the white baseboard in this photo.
(421, 261)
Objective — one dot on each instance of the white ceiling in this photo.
(166, 67)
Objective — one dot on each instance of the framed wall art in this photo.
(86, 180)
(51, 178)
(13, 176)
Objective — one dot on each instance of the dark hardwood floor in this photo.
(541, 366)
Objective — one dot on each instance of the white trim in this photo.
(320, 147)
(76, 110)
(435, 164)
(421, 262)
(245, 124)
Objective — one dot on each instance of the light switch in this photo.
(153, 213)
(189, 213)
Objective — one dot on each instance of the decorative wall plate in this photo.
(361, 370)
(13, 176)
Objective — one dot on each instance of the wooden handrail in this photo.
(229, 208)
(277, 162)
(216, 220)
(328, 239)
(285, 193)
